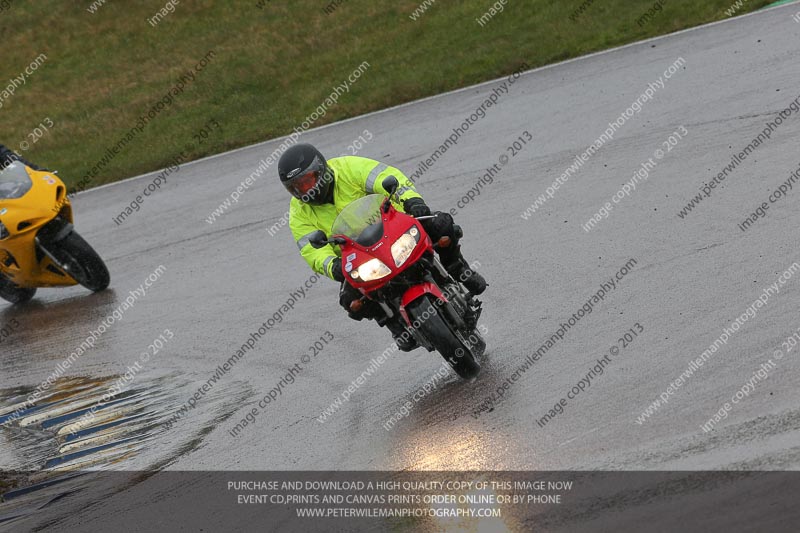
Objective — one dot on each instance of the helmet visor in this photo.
(305, 186)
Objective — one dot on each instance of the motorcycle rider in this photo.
(322, 188)
(8, 156)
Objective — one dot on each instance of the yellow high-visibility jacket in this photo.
(354, 177)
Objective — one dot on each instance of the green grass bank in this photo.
(273, 63)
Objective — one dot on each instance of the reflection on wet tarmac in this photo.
(82, 425)
(85, 422)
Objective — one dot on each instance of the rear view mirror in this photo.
(318, 239)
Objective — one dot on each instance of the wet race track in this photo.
(220, 351)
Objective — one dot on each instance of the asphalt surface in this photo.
(692, 278)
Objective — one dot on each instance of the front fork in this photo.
(54, 231)
(461, 302)
(460, 308)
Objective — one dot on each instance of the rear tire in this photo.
(13, 294)
(78, 259)
(437, 331)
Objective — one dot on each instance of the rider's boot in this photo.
(458, 267)
(402, 336)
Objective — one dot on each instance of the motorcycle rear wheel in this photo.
(436, 329)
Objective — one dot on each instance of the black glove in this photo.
(336, 270)
(439, 226)
(416, 207)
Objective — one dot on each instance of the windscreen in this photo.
(358, 216)
(14, 181)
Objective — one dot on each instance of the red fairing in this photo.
(395, 224)
(415, 292)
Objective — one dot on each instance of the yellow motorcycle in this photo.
(38, 245)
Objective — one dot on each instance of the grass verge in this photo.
(273, 64)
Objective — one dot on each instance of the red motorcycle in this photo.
(390, 259)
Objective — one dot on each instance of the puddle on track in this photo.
(88, 425)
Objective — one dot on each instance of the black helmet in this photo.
(305, 173)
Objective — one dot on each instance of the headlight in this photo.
(3, 231)
(373, 269)
(404, 246)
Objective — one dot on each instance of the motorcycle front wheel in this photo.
(430, 322)
(77, 258)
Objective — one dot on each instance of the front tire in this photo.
(14, 294)
(77, 258)
(437, 331)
